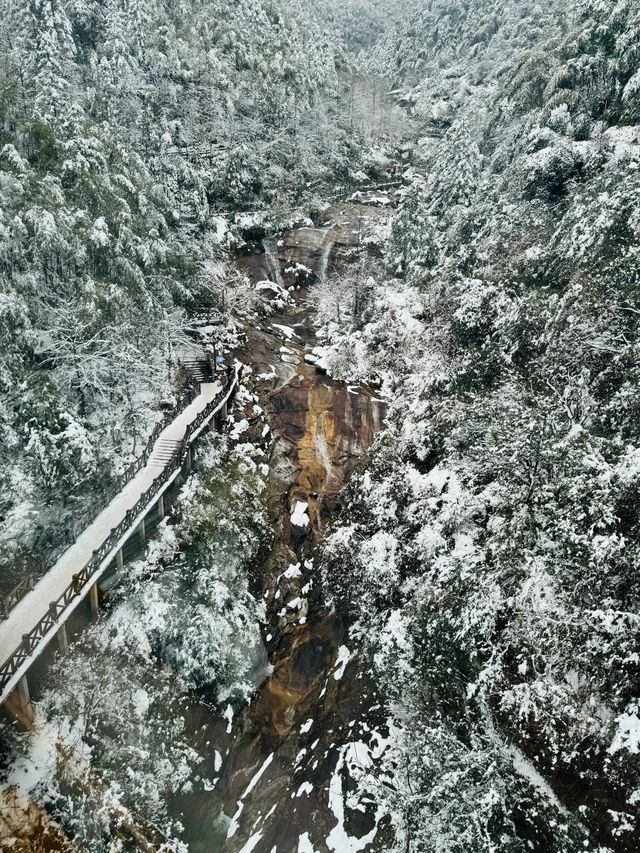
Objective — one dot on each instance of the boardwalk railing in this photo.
(27, 583)
(17, 593)
(86, 574)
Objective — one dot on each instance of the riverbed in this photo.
(314, 700)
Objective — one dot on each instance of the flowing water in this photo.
(271, 261)
(325, 258)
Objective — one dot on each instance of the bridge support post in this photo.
(63, 639)
(161, 507)
(18, 704)
(142, 533)
(221, 415)
(120, 561)
(94, 602)
(188, 460)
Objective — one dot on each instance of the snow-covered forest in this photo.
(396, 607)
(489, 554)
(127, 131)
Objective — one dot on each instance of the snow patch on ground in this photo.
(251, 843)
(304, 844)
(287, 331)
(338, 839)
(257, 776)
(228, 715)
(270, 375)
(343, 658)
(238, 429)
(318, 357)
(299, 515)
(628, 734)
(39, 763)
(233, 826)
(293, 571)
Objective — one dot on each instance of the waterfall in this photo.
(324, 260)
(272, 262)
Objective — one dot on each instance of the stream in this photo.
(301, 717)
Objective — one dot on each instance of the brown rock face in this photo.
(328, 429)
(26, 827)
(321, 432)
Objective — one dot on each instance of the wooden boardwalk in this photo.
(37, 618)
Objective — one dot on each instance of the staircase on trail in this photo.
(199, 369)
(39, 612)
(164, 451)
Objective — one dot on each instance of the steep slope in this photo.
(489, 558)
(124, 128)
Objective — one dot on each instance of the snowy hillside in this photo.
(495, 535)
(396, 608)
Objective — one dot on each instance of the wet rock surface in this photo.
(26, 827)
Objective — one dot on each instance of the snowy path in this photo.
(26, 614)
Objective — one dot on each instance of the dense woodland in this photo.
(128, 132)
(487, 557)
(495, 536)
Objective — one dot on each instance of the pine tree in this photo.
(47, 49)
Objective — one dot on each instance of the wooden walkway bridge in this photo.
(40, 615)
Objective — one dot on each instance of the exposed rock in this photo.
(25, 827)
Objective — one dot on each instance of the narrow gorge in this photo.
(284, 748)
(319, 426)
(294, 735)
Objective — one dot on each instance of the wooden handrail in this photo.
(12, 598)
(56, 608)
(18, 593)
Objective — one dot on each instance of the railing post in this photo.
(94, 603)
(23, 691)
(26, 714)
(77, 586)
(18, 704)
(63, 639)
